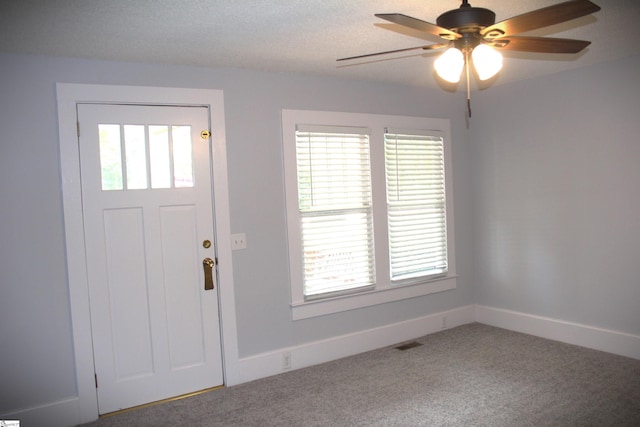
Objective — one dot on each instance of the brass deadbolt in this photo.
(205, 134)
(206, 244)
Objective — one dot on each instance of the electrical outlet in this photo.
(238, 241)
(444, 322)
(286, 360)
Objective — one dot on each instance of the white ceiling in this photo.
(305, 36)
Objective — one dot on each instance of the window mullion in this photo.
(381, 244)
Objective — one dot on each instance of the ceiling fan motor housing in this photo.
(467, 18)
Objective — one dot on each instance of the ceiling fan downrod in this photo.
(466, 65)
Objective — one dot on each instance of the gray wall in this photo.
(556, 196)
(547, 206)
(36, 362)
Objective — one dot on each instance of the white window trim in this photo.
(384, 291)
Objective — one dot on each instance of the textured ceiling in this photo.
(304, 36)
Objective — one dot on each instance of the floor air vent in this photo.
(408, 345)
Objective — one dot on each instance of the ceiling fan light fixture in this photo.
(449, 65)
(472, 33)
(487, 61)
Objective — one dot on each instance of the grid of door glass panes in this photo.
(134, 157)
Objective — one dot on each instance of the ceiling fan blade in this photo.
(539, 44)
(540, 18)
(428, 47)
(417, 24)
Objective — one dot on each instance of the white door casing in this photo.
(155, 327)
(69, 96)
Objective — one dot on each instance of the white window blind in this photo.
(334, 200)
(416, 207)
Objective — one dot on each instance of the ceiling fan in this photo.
(473, 31)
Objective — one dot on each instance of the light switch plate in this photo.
(238, 241)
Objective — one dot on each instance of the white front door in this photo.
(149, 241)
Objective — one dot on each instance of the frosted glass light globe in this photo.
(449, 65)
(487, 61)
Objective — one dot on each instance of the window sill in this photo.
(308, 309)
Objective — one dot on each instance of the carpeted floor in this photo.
(472, 375)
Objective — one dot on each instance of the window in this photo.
(416, 204)
(368, 209)
(336, 217)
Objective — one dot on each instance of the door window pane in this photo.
(110, 156)
(135, 148)
(182, 156)
(160, 160)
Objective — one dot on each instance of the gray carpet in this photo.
(472, 375)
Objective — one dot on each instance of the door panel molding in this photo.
(68, 96)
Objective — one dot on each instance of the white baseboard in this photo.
(572, 333)
(271, 363)
(62, 413)
(68, 412)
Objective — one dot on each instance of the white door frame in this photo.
(68, 96)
